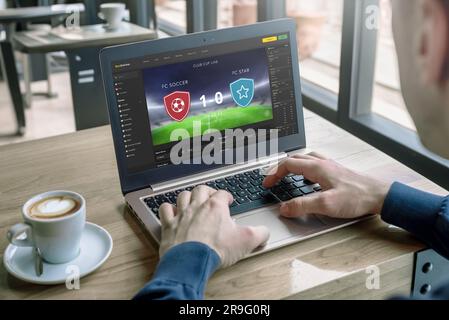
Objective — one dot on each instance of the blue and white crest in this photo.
(242, 91)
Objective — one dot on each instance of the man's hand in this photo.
(346, 194)
(203, 215)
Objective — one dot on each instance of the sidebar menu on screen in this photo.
(134, 122)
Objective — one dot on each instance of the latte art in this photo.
(54, 207)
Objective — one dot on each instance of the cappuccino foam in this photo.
(53, 207)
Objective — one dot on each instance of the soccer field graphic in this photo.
(219, 120)
(227, 91)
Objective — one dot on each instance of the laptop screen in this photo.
(238, 84)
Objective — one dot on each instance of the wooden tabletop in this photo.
(61, 38)
(328, 266)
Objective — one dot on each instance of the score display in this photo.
(218, 99)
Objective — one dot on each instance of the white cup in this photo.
(58, 239)
(112, 13)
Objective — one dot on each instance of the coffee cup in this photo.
(112, 13)
(53, 223)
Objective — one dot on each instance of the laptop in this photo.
(175, 92)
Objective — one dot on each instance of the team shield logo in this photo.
(242, 91)
(177, 105)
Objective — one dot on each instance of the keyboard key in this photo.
(233, 188)
(253, 176)
(254, 190)
(255, 196)
(149, 200)
(295, 193)
(287, 180)
(307, 189)
(222, 185)
(299, 184)
(161, 200)
(242, 193)
(244, 180)
(255, 183)
(242, 200)
(297, 178)
(245, 185)
(284, 196)
(289, 187)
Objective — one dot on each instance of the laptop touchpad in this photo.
(282, 228)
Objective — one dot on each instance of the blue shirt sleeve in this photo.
(182, 273)
(423, 214)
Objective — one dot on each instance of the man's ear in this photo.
(434, 42)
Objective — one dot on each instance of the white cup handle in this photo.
(101, 15)
(19, 230)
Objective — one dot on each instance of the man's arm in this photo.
(198, 236)
(423, 214)
(182, 273)
(347, 194)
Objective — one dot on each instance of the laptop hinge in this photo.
(215, 174)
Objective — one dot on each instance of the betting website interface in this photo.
(239, 84)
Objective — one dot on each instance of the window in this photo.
(236, 12)
(349, 72)
(171, 16)
(319, 40)
(387, 97)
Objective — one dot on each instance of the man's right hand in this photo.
(345, 194)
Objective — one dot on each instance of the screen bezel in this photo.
(144, 179)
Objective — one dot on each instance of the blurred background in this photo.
(348, 65)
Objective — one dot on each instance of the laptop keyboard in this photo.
(247, 190)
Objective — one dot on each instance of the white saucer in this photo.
(96, 246)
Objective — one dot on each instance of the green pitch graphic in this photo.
(229, 118)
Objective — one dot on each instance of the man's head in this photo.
(421, 33)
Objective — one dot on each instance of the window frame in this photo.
(169, 27)
(353, 113)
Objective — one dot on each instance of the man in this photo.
(198, 235)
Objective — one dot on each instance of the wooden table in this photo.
(82, 46)
(27, 14)
(328, 266)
